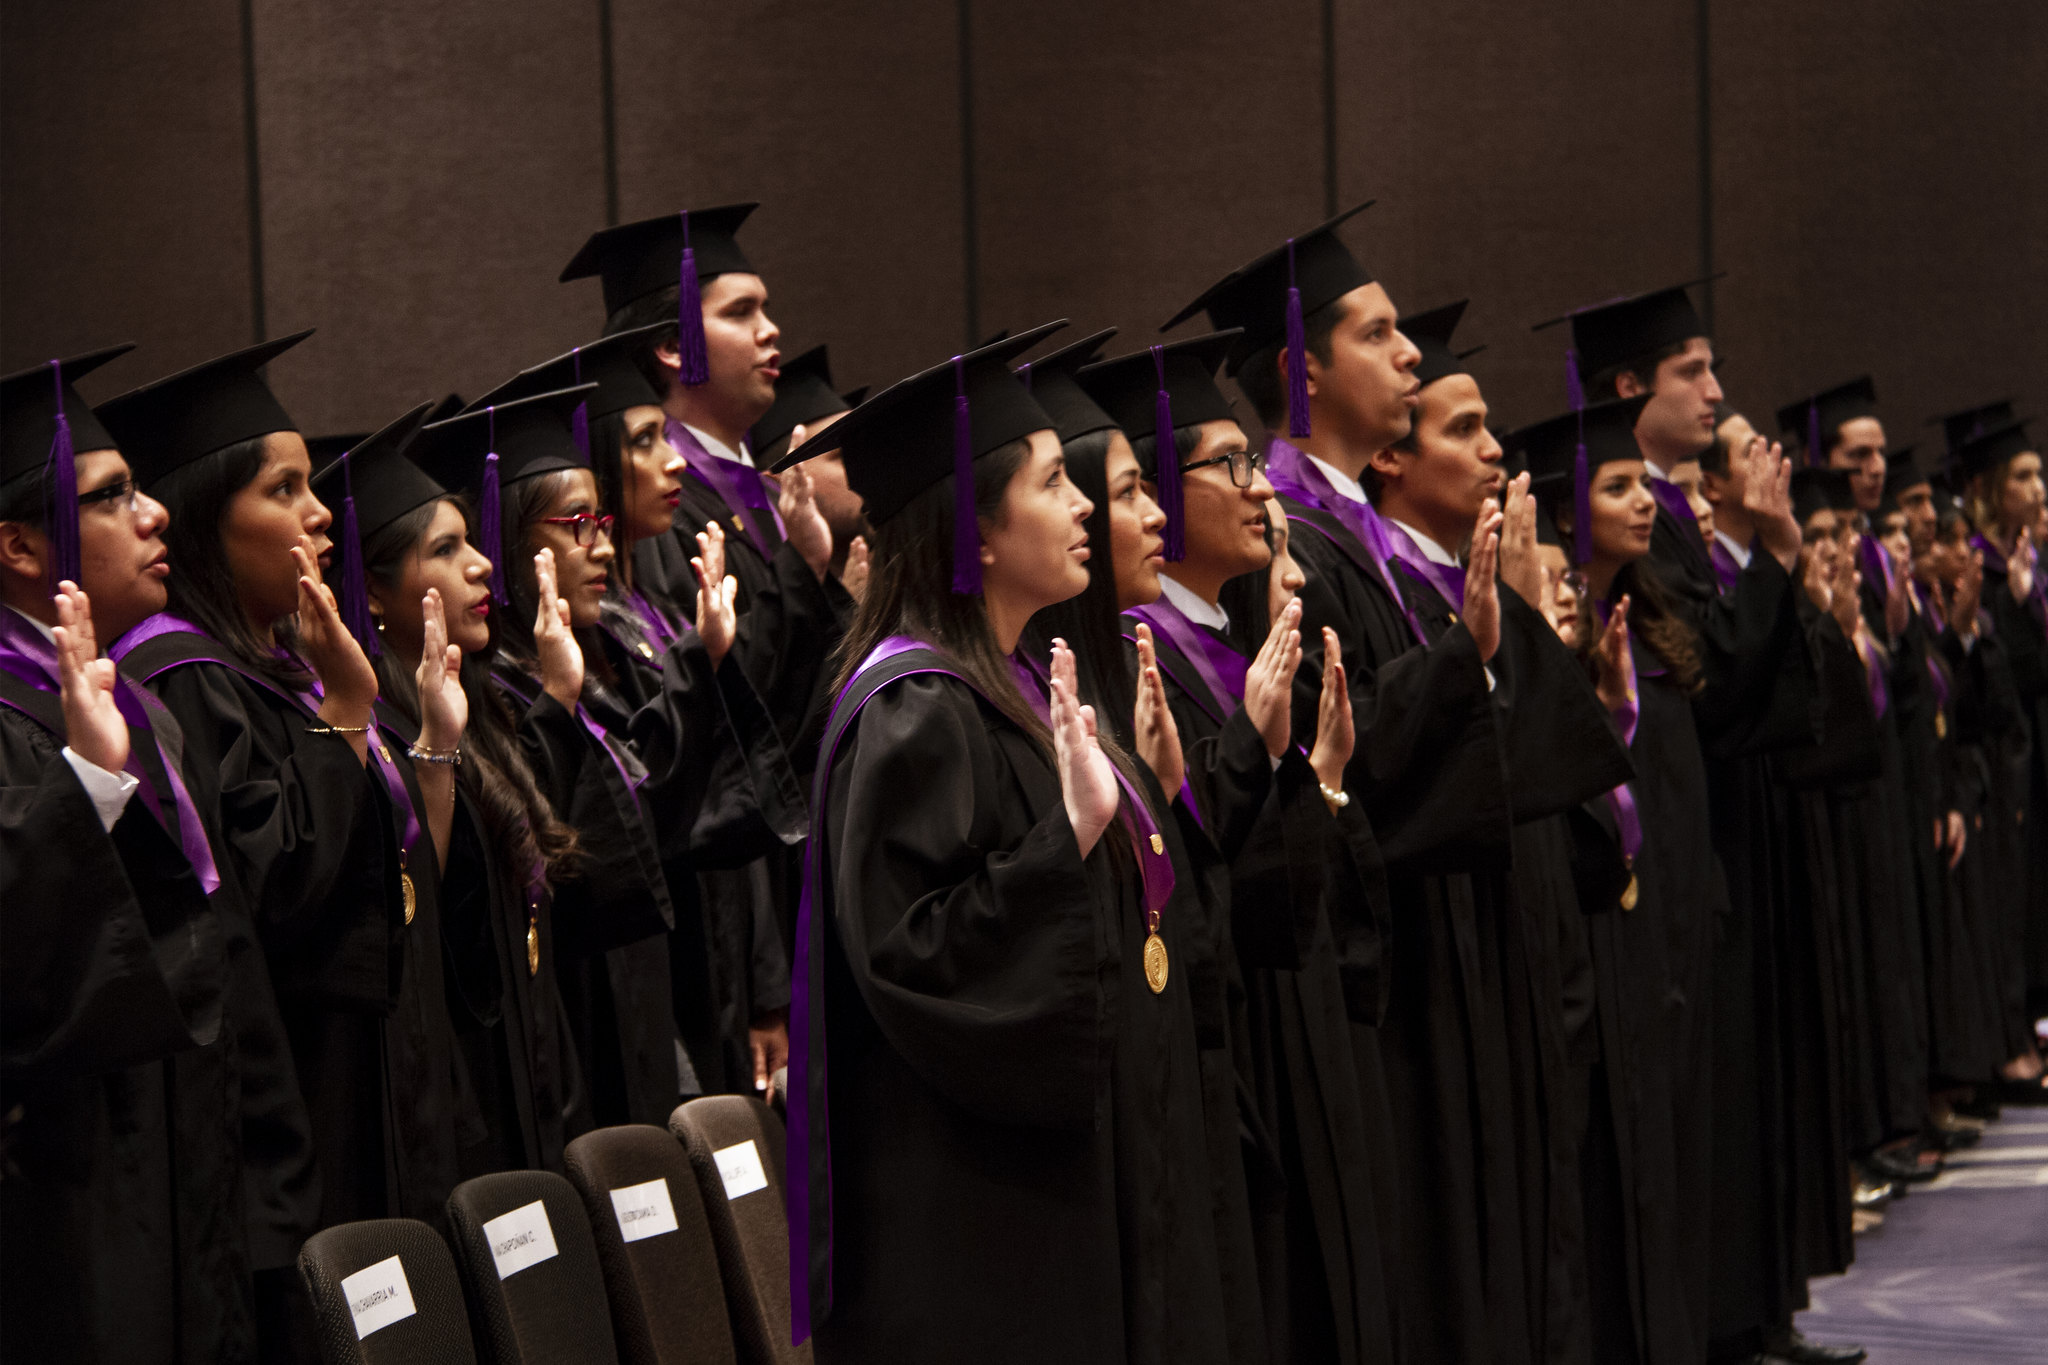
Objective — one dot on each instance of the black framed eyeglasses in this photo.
(588, 527)
(123, 491)
(1244, 465)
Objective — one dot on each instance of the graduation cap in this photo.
(489, 445)
(449, 405)
(392, 486)
(165, 425)
(1993, 447)
(1431, 333)
(1817, 418)
(1622, 330)
(1569, 447)
(330, 447)
(937, 422)
(1158, 391)
(1267, 298)
(1960, 428)
(803, 396)
(1818, 490)
(636, 260)
(1051, 381)
(43, 425)
(1901, 471)
(607, 363)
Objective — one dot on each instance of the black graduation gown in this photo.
(121, 1228)
(2023, 631)
(1319, 1245)
(1017, 1169)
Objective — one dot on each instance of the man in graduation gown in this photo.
(1757, 696)
(121, 1231)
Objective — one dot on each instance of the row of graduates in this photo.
(1321, 1056)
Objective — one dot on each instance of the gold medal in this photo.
(646, 650)
(411, 895)
(1628, 895)
(738, 525)
(1940, 725)
(1158, 844)
(533, 950)
(1155, 962)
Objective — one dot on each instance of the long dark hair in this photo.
(495, 773)
(201, 585)
(1653, 619)
(1090, 623)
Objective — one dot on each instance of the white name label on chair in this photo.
(644, 1210)
(739, 1166)
(378, 1296)
(520, 1239)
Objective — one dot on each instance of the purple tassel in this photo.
(966, 531)
(1168, 465)
(1815, 457)
(579, 420)
(355, 588)
(695, 368)
(1574, 386)
(489, 516)
(1582, 500)
(63, 540)
(1297, 373)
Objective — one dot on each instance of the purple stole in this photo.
(1726, 570)
(740, 486)
(1876, 563)
(1293, 473)
(1218, 667)
(1447, 579)
(29, 657)
(1671, 498)
(1628, 821)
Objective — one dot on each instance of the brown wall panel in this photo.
(841, 118)
(123, 213)
(1880, 186)
(427, 170)
(1129, 155)
(1532, 158)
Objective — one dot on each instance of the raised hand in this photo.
(1269, 682)
(2020, 568)
(1520, 566)
(802, 522)
(561, 658)
(854, 576)
(1087, 781)
(444, 706)
(1969, 595)
(1898, 602)
(93, 726)
(1482, 592)
(1613, 661)
(1958, 837)
(1152, 722)
(1817, 575)
(1335, 735)
(718, 620)
(1848, 591)
(344, 671)
(1767, 497)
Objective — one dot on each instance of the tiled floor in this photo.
(1959, 1271)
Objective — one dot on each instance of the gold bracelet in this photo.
(337, 729)
(1336, 798)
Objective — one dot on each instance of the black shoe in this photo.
(1900, 1166)
(1794, 1344)
(1946, 1140)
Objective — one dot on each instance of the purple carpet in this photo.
(1959, 1271)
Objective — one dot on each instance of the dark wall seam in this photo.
(251, 151)
(970, 248)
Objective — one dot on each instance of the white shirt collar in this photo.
(1339, 480)
(720, 448)
(1659, 475)
(48, 633)
(1738, 553)
(1193, 607)
(1433, 552)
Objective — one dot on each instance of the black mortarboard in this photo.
(1156, 392)
(1267, 298)
(449, 405)
(1815, 490)
(937, 422)
(1817, 418)
(1901, 471)
(1563, 451)
(1960, 428)
(44, 424)
(1431, 333)
(1051, 381)
(607, 363)
(167, 424)
(481, 450)
(1999, 443)
(390, 486)
(637, 260)
(1623, 330)
(803, 395)
(326, 449)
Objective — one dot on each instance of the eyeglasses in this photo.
(588, 528)
(123, 491)
(1244, 466)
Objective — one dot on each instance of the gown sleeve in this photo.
(1561, 747)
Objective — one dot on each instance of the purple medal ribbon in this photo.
(741, 486)
(1628, 821)
(1221, 668)
(28, 656)
(1293, 473)
(1449, 580)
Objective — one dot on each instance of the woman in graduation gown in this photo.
(996, 1117)
(276, 718)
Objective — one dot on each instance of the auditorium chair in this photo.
(385, 1293)
(654, 1245)
(530, 1266)
(735, 1146)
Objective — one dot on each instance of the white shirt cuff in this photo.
(109, 791)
